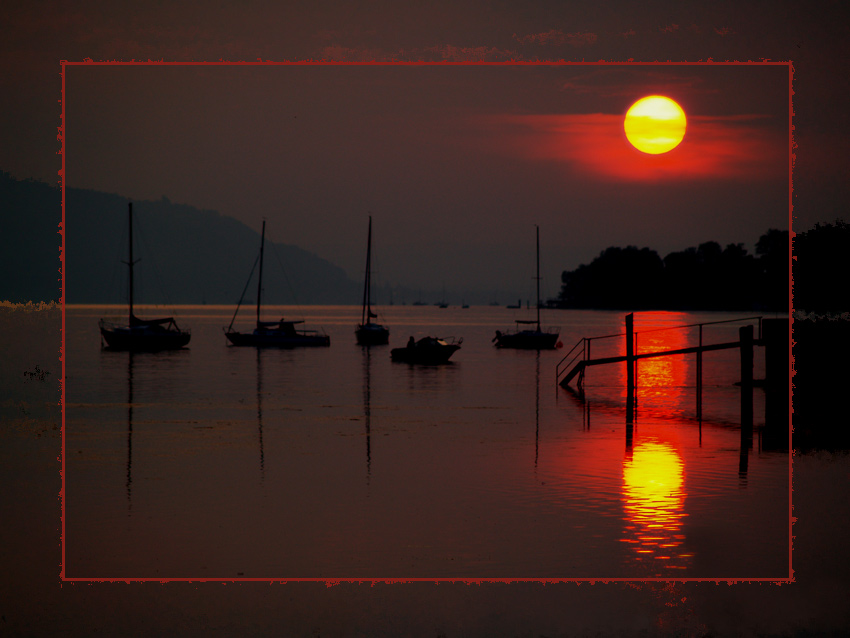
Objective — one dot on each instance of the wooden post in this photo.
(776, 337)
(699, 377)
(746, 337)
(630, 371)
(745, 333)
(630, 351)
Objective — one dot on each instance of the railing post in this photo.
(699, 376)
(636, 362)
(746, 336)
(630, 369)
(630, 351)
(776, 339)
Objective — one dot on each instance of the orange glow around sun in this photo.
(739, 147)
(655, 124)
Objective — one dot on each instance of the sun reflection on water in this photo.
(653, 499)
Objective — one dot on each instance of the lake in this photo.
(216, 462)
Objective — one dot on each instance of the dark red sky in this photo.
(456, 163)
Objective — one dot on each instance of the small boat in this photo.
(369, 333)
(428, 350)
(142, 334)
(529, 339)
(273, 334)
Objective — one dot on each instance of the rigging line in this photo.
(152, 261)
(375, 270)
(288, 283)
(286, 277)
(118, 283)
(244, 290)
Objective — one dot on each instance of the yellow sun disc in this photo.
(655, 124)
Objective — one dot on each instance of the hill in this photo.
(186, 255)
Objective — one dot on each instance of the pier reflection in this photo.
(653, 497)
(129, 483)
(367, 408)
(536, 411)
(260, 412)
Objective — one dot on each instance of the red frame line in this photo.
(390, 580)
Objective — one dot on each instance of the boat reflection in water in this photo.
(654, 503)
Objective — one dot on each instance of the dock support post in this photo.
(699, 377)
(776, 337)
(630, 350)
(630, 368)
(746, 336)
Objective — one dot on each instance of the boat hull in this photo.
(273, 339)
(143, 339)
(527, 340)
(372, 334)
(428, 351)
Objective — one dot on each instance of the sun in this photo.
(655, 124)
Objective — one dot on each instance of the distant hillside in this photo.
(30, 215)
(186, 255)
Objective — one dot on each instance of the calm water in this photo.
(223, 462)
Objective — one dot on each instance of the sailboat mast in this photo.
(538, 276)
(260, 283)
(367, 286)
(130, 263)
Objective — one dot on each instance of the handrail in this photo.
(705, 323)
(561, 368)
(558, 371)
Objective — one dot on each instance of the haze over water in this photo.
(222, 462)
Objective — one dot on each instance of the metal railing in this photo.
(576, 356)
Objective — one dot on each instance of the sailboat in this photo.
(142, 334)
(280, 334)
(369, 333)
(529, 339)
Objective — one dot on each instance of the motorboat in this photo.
(428, 350)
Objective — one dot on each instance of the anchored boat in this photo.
(428, 351)
(275, 334)
(369, 333)
(142, 334)
(529, 339)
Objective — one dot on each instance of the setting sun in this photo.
(655, 124)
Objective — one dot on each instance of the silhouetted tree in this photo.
(774, 253)
(822, 268)
(619, 278)
(706, 277)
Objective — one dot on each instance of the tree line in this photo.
(822, 269)
(705, 277)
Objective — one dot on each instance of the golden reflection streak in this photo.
(653, 499)
(661, 378)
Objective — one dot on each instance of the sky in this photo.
(455, 162)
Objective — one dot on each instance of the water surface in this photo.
(224, 462)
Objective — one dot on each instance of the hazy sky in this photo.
(455, 163)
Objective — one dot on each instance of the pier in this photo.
(773, 334)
